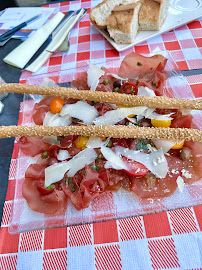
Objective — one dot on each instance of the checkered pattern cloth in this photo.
(168, 240)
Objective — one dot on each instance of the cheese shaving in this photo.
(56, 120)
(113, 117)
(56, 172)
(96, 142)
(79, 161)
(51, 139)
(165, 145)
(63, 155)
(113, 158)
(94, 73)
(80, 110)
(117, 77)
(155, 161)
(1, 107)
(145, 91)
(180, 183)
(47, 82)
(109, 165)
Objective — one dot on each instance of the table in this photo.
(93, 243)
(9, 117)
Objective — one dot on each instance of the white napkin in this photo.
(20, 56)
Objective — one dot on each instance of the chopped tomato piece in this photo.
(129, 88)
(135, 168)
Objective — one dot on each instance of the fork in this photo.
(65, 46)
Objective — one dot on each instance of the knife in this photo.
(12, 31)
(56, 42)
(50, 37)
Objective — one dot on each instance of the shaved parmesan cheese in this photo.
(47, 82)
(139, 117)
(180, 183)
(51, 139)
(81, 110)
(79, 161)
(109, 165)
(48, 117)
(113, 158)
(117, 77)
(151, 148)
(165, 145)
(132, 120)
(61, 121)
(56, 172)
(157, 116)
(145, 91)
(1, 107)
(155, 161)
(63, 155)
(113, 117)
(94, 73)
(148, 113)
(96, 142)
(56, 120)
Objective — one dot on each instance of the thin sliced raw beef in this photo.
(84, 187)
(149, 186)
(194, 165)
(102, 108)
(154, 80)
(40, 110)
(76, 197)
(92, 185)
(32, 146)
(135, 65)
(52, 203)
(80, 82)
(35, 171)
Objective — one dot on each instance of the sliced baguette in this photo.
(99, 14)
(153, 14)
(122, 25)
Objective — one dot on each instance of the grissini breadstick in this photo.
(118, 131)
(114, 98)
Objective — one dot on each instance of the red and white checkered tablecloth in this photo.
(168, 240)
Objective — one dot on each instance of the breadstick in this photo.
(114, 98)
(118, 131)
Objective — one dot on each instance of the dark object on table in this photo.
(7, 3)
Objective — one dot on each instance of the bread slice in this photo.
(153, 14)
(122, 25)
(99, 14)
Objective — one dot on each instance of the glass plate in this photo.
(110, 205)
